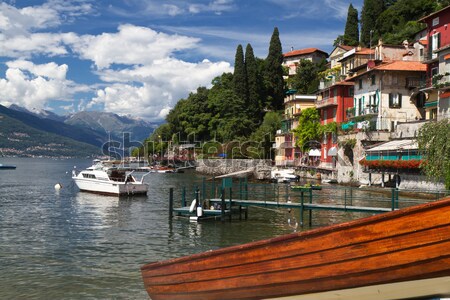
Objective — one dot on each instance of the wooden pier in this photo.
(303, 199)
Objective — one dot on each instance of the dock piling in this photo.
(222, 205)
(170, 203)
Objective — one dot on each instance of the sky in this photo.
(139, 57)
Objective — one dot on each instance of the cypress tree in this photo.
(239, 75)
(274, 72)
(253, 84)
(351, 33)
(369, 14)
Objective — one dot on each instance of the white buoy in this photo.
(193, 204)
(58, 186)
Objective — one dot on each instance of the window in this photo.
(395, 100)
(434, 71)
(373, 79)
(435, 21)
(351, 91)
(435, 44)
(361, 106)
(360, 83)
(394, 79)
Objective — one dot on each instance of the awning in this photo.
(447, 56)
(395, 145)
(332, 151)
(430, 104)
(314, 152)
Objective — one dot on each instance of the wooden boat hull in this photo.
(403, 246)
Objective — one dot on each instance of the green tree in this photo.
(254, 81)
(274, 73)
(399, 21)
(369, 14)
(240, 75)
(434, 142)
(308, 131)
(351, 33)
(229, 119)
(306, 79)
(190, 117)
(264, 136)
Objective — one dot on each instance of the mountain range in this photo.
(22, 128)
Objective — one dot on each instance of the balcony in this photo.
(327, 102)
(287, 145)
(414, 82)
(370, 109)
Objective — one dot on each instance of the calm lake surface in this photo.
(72, 245)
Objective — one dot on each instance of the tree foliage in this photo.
(265, 134)
(434, 142)
(351, 33)
(369, 14)
(399, 21)
(240, 75)
(308, 131)
(274, 73)
(254, 85)
(306, 79)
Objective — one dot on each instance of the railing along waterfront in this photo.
(306, 199)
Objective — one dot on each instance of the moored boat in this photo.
(107, 180)
(316, 187)
(396, 255)
(7, 167)
(284, 175)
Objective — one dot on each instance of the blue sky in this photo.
(140, 57)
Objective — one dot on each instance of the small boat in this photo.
(397, 255)
(284, 175)
(7, 167)
(107, 180)
(307, 186)
(329, 181)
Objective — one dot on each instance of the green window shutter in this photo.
(391, 100)
(438, 40)
(399, 100)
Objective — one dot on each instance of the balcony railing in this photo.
(327, 102)
(287, 145)
(413, 82)
(371, 109)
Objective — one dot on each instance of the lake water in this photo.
(72, 245)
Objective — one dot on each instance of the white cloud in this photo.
(50, 70)
(315, 9)
(136, 65)
(216, 6)
(20, 21)
(131, 45)
(161, 85)
(22, 46)
(32, 86)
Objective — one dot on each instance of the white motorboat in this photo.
(106, 180)
(284, 175)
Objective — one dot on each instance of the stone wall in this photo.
(259, 168)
